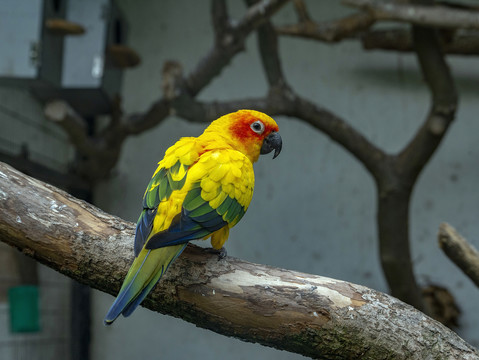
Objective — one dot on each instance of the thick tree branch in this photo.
(396, 183)
(435, 16)
(337, 129)
(459, 251)
(283, 101)
(307, 314)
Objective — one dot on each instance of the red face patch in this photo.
(241, 127)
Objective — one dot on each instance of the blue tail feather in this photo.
(124, 297)
(138, 283)
(142, 295)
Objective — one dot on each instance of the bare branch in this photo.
(268, 48)
(443, 108)
(302, 11)
(258, 14)
(330, 31)
(75, 126)
(196, 111)
(307, 314)
(436, 16)
(340, 131)
(459, 251)
(283, 101)
(137, 123)
(397, 181)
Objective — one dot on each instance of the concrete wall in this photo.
(314, 206)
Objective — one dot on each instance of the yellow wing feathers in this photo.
(185, 150)
(224, 173)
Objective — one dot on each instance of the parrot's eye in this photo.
(257, 127)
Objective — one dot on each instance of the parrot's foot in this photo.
(221, 252)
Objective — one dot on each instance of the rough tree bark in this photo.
(307, 314)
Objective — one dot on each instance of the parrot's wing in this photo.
(148, 266)
(162, 184)
(198, 218)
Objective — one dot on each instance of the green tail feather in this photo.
(143, 275)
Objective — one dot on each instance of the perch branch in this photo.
(459, 251)
(307, 314)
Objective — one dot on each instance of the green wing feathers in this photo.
(160, 188)
(163, 183)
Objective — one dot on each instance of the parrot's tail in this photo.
(143, 275)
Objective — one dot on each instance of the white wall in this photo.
(314, 206)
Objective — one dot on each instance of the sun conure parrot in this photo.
(201, 189)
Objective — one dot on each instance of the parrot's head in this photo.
(251, 132)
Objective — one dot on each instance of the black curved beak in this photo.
(272, 142)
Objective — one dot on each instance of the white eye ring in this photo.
(257, 127)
